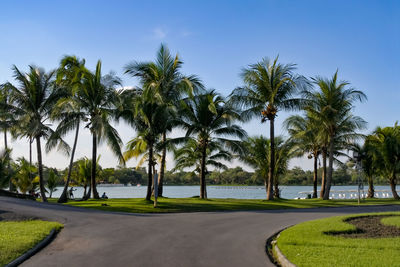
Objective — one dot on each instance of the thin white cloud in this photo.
(159, 33)
(186, 33)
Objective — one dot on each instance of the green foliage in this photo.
(330, 109)
(124, 176)
(52, 181)
(211, 135)
(5, 168)
(26, 176)
(269, 86)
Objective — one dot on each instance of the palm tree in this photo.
(165, 77)
(257, 156)
(284, 151)
(149, 117)
(269, 87)
(7, 118)
(97, 99)
(52, 182)
(304, 133)
(208, 119)
(385, 143)
(137, 147)
(331, 107)
(366, 154)
(5, 170)
(25, 177)
(33, 101)
(189, 156)
(68, 110)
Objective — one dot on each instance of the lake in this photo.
(241, 192)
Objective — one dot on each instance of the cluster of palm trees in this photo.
(166, 99)
(327, 127)
(380, 156)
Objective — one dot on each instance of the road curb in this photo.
(33, 250)
(274, 253)
(280, 258)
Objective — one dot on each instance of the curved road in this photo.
(96, 238)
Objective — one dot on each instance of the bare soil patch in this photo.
(369, 227)
(11, 216)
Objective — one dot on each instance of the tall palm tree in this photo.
(34, 99)
(304, 134)
(97, 99)
(385, 143)
(7, 118)
(165, 77)
(332, 106)
(68, 110)
(208, 119)
(149, 117)
(268, 88)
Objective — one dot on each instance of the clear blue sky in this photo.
(215, 40)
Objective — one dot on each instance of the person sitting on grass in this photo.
(104, 196)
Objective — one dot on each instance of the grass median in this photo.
(165, 205)
(18, 237)
(309, 244)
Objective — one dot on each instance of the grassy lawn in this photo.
(139, 205)
(18, 237)
(306, 244)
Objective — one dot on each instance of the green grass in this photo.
(306, 244)
(139, 205)
(18, 237)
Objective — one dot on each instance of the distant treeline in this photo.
(232, 176)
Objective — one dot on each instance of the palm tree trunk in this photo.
(330, 170)
(271, 161)
(30, 157)
(315, 178)
(393, 187)
(150, 173)
(10, 184)
(323, 182)
(162, 166)
(86, 196)
(266, 184)
(276, 187)
(5, 140)
(371, 189)
(152, 180)
(203, 172)
(95, 194)
(40, 165)
(63, 198)
(84, 191)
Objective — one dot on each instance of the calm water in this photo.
(243, 192)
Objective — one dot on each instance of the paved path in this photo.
(95, 238)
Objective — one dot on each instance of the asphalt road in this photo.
(96, 238)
